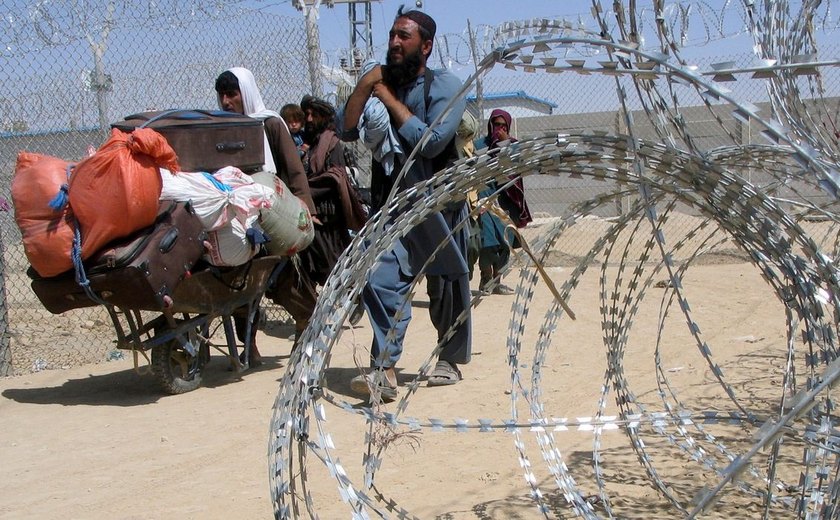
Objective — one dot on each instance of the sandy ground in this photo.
(101, 441)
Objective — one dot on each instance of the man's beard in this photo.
(399, 74)
(312, 131)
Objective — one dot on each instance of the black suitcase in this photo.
(206, 140)
(139, 272)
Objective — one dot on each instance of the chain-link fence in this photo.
(67, 74)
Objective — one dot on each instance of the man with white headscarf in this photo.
(237, 92)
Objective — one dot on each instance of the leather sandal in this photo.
(444, 374)
(372, 382)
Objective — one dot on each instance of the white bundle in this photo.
(229, 244)
(228, 202)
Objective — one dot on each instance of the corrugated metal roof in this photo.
(517, 98)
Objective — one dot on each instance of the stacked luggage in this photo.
(166, 192)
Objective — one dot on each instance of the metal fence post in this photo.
(313, 48)
(6, 368)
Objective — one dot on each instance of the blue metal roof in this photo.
(517, 98)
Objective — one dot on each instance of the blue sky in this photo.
(452, 15)
(701, 41)
(712, 30)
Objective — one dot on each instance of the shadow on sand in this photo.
(130, 388)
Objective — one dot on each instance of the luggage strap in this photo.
(76, 256)
(57, 203)
(76, 249)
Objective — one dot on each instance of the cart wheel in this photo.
(175, 368)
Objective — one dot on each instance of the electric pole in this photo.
(313, 44)
(361, 32)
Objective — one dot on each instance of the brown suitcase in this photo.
(206, 140)
(134, 273)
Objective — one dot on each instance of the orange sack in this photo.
(47, 233)
(115, 191)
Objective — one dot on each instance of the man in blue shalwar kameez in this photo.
(414, 97)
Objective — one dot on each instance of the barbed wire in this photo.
(62, 91)
(674, 169)
(694, 23)
(800, 161)
(47, 23)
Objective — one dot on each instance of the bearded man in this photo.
(414, 97)
(339, 210)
